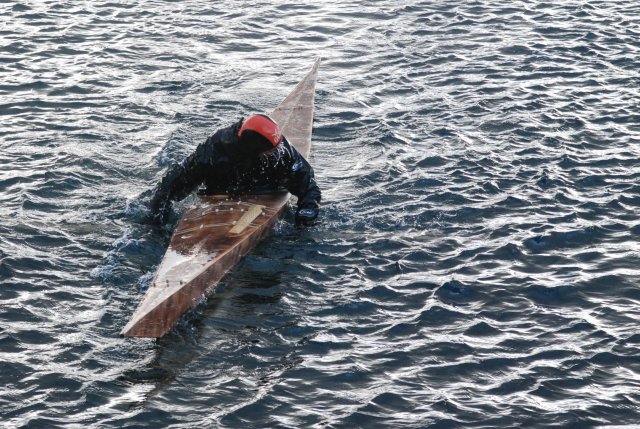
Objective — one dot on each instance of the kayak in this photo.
(216, 232)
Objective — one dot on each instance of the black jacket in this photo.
(224, 166)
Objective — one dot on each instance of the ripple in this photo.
(476, 261)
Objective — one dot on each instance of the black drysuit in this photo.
(228, 165)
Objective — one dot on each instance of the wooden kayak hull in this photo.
(214, 234)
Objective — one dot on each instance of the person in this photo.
(251, 156)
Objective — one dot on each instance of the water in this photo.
(477, 260)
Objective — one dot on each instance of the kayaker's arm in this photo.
(301, 183)
(180, 181)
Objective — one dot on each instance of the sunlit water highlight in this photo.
(477, 260)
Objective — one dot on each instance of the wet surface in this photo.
(476, 264)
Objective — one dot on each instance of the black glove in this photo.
(307, 215)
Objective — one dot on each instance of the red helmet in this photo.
(263, 128)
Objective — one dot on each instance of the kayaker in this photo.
(251, 156)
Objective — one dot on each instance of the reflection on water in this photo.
(476, 264)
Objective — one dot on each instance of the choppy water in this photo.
(477, 264)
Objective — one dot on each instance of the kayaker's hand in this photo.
(307, 215)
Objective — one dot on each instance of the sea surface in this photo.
(477, 262)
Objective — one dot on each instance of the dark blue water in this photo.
(477, 264)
